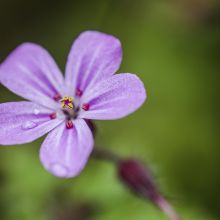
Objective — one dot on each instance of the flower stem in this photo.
(167, 208)
(135, 175)
(100, 153)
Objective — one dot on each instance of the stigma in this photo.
(67, 102)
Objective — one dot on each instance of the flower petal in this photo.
(114, 97)
(23, 122)
(93, 56)
(30, 72)
(65, 152)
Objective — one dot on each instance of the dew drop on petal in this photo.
(59, 170)
(28, 125)
(60, 115)
(36, 111)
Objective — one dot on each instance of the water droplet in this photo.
(36, 111)
(60, 115)
(59, 170)
(29, 125)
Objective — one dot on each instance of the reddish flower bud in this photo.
(138, 178)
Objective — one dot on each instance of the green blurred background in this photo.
(174, 46)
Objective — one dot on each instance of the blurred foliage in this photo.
(174, 46)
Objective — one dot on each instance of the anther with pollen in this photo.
(67, 102)
(69, 124)
(53, 115)
(85, 106)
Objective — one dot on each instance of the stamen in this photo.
(79, 92)
(67, 102)
(85, 106)
(53, 115)
(57, 97)
(69, 124)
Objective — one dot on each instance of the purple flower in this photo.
(60, 106)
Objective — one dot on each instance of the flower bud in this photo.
(139, 179)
